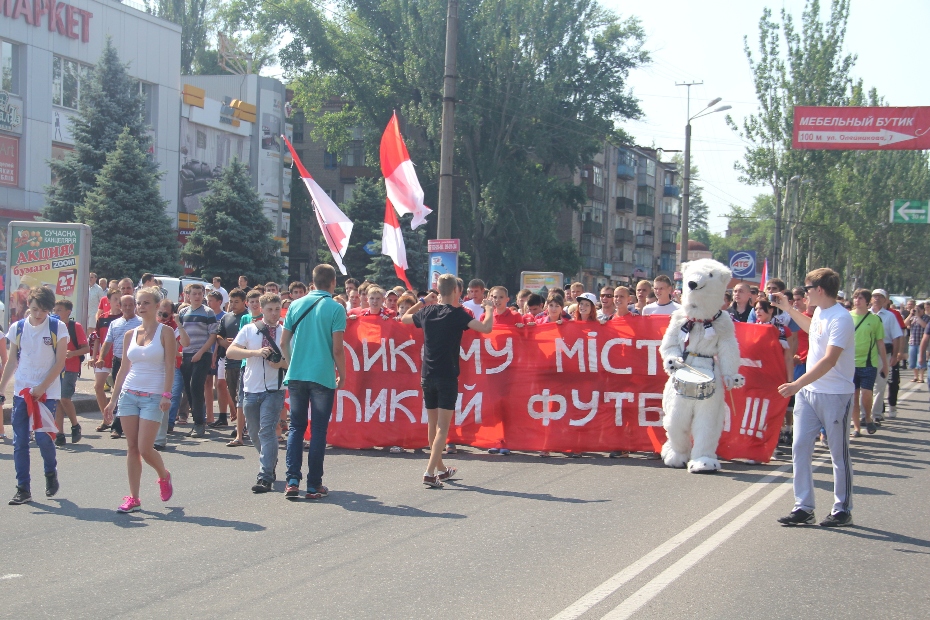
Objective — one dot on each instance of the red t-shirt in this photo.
(385, 313)
(104, 306)
(73, 364)
(507, 317)
(803, 342)
(898, 316)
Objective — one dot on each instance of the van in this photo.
(175, 286)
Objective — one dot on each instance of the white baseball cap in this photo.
(589, 296)
(880, 291)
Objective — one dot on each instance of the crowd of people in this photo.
(265, 350)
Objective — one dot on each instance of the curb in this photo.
(87, 404)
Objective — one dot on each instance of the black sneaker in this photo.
(220, 423)
(60, 439)
(51, 484)
(261, 486)
(837, 519)
(798, 517)
(233, 434)
(76, 433)
(159, 447)
(23, 496)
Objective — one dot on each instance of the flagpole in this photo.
(444, 219)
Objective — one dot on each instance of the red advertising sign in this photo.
(862, 128)
(9, 161)
(569, 388)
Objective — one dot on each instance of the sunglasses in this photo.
(606, 296)
(808, 287)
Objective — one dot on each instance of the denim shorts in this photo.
(912, 357)
(864, 379)
(69, 383)
(146, 407)
(440, 393)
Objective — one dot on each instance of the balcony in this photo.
(626, 172)
(590, 227)
(592, 263)
(669, 247)
(671, 191)
(670, 220)
(646, 195)
(595, 192)
(622, 268)
(645, 240)
(624, 205)
(645, 211)
(623, 235)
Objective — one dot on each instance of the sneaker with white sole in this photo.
(798, 516)
(837, 519)
(130, 504)
(892, 412)
(432, 481)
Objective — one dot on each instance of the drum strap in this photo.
(708, 327)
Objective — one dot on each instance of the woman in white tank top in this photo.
(143, 389)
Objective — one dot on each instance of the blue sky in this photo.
(703, 41)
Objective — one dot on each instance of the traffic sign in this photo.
(910, 212)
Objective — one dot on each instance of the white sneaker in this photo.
(892, 412)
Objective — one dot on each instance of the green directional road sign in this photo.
(910, 212)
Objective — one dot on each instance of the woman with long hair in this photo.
(143, 389)
(586, 308)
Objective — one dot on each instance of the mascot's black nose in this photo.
(692, 285)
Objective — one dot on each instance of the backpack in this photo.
(72, 332)
(17, 329)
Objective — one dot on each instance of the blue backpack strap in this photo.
(53, 324)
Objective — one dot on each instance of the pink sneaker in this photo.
(130, 504)
(167, 490)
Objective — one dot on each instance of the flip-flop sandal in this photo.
(103, 427)
(235, 443)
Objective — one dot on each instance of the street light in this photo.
(686, 191)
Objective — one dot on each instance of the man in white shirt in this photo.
(262, 380)
(662, 286)
(36, 360)
(608, 308)
(94, 294)
(218, 287)
(476, 291)
(893, 338)
(824, 398)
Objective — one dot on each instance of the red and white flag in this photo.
(41, 419)
(335, 225)
(400, 178)
(392, 243)
(765, 273)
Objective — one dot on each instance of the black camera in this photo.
(274, 358)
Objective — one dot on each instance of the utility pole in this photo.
(447, 144)
(686, 181)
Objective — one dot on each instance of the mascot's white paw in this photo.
(703, 465)
(672, 458)
(734, 382)
(672, 364)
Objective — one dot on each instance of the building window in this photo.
(650, 168)
(7, 82)
(355, 154)
(331, 193)
(330, 161)
(298, 131)
(348, 190)
(68, 80)
(598, 176)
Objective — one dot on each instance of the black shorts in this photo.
(864, 379)
(440, 393)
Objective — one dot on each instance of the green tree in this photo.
(233, 236)
(194, 18)
(541, 86)
(132, 233)
(110, 102)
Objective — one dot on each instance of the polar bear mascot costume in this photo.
(701, 356)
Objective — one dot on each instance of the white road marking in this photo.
(601, 592)
(10, 576)
(649, 591)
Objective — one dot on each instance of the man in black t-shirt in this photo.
(229, 328)
(443, 325)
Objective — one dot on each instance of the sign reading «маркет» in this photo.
(47, 254)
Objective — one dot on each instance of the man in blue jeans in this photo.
(37, 357)
(259, 344)
(314, 327)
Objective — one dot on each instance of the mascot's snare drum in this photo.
(691, 383)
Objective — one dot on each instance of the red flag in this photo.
(333, 222)
(765, 273)
(400, 179)
(392, 243)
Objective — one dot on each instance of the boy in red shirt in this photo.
(503, 315)
(375, 305)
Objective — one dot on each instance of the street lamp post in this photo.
(686, 184)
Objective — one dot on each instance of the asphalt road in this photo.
(514, 537)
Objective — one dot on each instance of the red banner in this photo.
(861, 128)
(563, 388)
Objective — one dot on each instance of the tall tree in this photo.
(132, 233)
(233, 236)
(193, 16)
(540, 83)
(110, 102)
